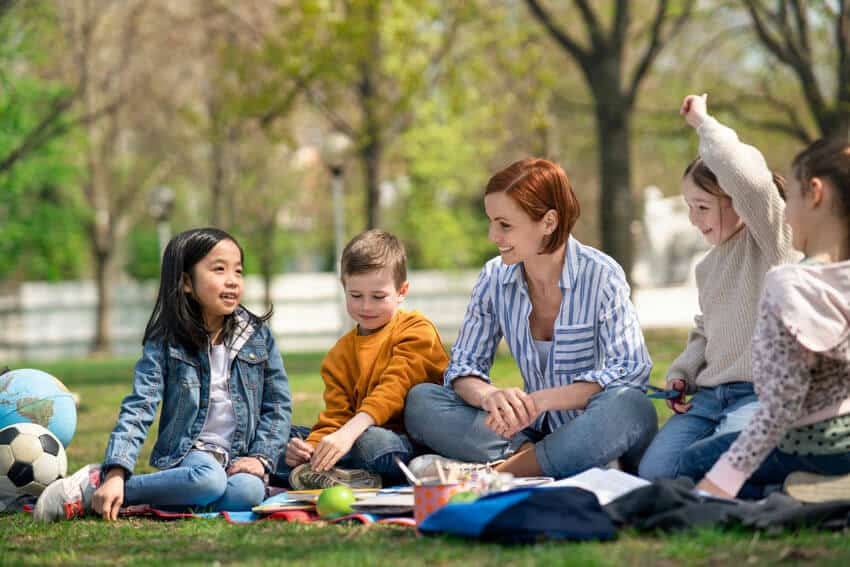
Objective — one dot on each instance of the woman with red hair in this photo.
(564, 310)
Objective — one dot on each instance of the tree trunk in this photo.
(103, 335)
(371, 158)
(616, 203)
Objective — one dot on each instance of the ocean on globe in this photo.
(33, 396)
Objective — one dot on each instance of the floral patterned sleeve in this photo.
(781, 378)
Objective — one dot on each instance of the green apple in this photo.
(463, 497)
(335, 501)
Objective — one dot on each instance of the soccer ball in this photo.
(31, 457)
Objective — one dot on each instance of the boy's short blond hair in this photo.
(373, 250)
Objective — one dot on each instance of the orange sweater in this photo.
(373, 373)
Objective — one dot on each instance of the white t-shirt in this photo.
(221, 419)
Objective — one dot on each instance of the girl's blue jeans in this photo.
(198, 481)
(375, 450)
(701, 456)
(618, 423)
(716, 411)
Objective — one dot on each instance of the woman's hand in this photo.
(678, 405)
(707, 486)
(109, 497)
(510, 409)
(297, 451)
(331, 449)
(249, 465)
(695, 109)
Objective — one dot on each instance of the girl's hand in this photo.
(297, 451)
(510, 409)
(707, 486)
(678, 405)
(109, 497)
(330, 450)
(695, 109)
(250, 465)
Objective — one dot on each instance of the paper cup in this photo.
(429, 498)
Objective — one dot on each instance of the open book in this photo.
(606, 484)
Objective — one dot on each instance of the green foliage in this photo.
(40, 230)
(143, 262)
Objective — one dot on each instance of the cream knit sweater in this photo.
(731, 275)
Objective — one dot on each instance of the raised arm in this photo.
(743, 174)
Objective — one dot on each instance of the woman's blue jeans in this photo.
(375, 450)
(618, 423)
(716, 411)
(198, 481)
(701, 456)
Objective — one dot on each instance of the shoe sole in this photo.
(353, 478)
(810, 487)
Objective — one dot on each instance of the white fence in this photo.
(43, 321)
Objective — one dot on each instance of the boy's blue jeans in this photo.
(701, 456)
(198, 481)
(618, 423)
(716, 411)
(375, 450)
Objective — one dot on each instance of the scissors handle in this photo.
(662, 394)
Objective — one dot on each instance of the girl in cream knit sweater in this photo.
(736, 202)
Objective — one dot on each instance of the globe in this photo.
(32, 396)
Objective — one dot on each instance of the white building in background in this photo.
(42, 321)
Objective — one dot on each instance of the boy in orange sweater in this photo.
(367, 375)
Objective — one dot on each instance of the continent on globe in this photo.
(37, 411)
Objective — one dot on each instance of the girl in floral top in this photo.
(800, 352)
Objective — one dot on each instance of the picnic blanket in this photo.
(673, 505)
(25, 504)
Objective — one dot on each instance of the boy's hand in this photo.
(109, 497)
(297, 451)
(678, 405)
(695, 109)
(330, 450)
(250, 465)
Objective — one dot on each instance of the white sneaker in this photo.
(68, 497)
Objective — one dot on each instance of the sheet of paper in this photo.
(606, 484)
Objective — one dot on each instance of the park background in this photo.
(295, 124)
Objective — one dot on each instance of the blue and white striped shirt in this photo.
(596, 338)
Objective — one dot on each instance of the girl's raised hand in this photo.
(695, 109)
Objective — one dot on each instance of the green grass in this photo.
(102, 384)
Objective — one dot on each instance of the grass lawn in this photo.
(102, 385)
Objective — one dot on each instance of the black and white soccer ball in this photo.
(31, 457)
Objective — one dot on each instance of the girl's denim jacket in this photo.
(181, 380)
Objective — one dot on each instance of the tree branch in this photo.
(656, 43)
(543, 16)
(597, 37)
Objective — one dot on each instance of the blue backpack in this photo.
(525, 515)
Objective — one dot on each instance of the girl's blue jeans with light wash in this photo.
(716, 411)
(618, 423)
(198, 481)
(770, 475)
(375, 450)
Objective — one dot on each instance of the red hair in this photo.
(538, 186)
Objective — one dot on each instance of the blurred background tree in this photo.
(230, 103)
